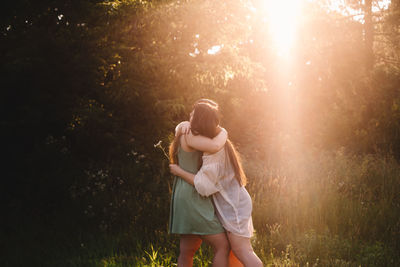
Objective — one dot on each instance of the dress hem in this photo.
(195, 233)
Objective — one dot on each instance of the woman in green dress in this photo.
(192, 216)
(222, 177)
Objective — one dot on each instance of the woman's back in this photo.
(232, 201)
(191, 213)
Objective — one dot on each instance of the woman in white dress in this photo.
(222, 177)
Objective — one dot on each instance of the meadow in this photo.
(317, 210)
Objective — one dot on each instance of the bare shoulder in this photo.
(184, 144)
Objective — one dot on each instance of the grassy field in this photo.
(319, 210)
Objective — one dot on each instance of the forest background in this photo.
(90, 86)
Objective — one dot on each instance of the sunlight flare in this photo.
(281, 18)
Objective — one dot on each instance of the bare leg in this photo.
(220, 245)
(242, 248)
(188, 245)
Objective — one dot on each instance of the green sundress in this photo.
(191, 213)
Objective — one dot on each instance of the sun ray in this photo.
(281, 17)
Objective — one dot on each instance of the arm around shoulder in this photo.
(182, 128)
(205, 144)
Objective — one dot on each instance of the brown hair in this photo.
(173, 147)
(208, 101)
(205, 122)
(205, 119)
(234, 159)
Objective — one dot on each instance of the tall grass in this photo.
(328, 209)
(321, 209)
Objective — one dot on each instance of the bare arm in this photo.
(205, 144)
(182, 128)
(178, 171)
(205, 181)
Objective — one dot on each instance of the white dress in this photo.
(233, 203)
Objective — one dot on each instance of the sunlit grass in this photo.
(334, 209)
(318, 209)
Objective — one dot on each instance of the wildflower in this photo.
(162, 148)
(158, 144)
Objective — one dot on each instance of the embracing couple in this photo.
(209, 200)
